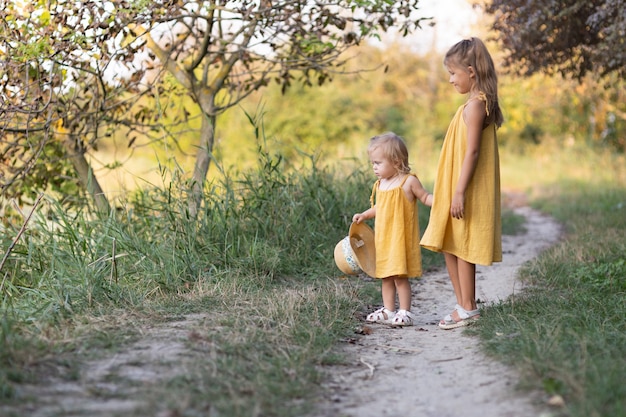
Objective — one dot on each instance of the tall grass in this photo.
(567, 332)
(258, 261)
(268, 223)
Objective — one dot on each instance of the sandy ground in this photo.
(418, 371)
(424, 371)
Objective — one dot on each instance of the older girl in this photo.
(465, 219)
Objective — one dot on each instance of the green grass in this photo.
(512, 223)
(258, 265)
(567, 332)
(257, 262)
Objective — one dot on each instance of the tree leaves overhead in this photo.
(73, 69)
(569, 37)
(240, 46)
(217, 49)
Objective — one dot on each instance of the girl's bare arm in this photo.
(474, 116)
(414, 189)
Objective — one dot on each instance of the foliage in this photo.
(65, 86)
(33, 164)
(86, 57)
(544, 110)
(567, 329)
(357, 106)
(579, 40)
(571, 38)
(410, 95)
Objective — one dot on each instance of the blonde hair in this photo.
(394, 149)
(473, 52)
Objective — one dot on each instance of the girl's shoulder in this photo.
(476, 108)
(478, 103)
(411, 178)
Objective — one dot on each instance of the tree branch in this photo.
(19, 234)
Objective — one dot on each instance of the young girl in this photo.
(396, 229)
(465, 219)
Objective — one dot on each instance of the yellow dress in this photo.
(477, 238)
(396, 233)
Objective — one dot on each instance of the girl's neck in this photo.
(474, 92)
(390, 182)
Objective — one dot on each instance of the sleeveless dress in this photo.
(477, 238)
(396, 233)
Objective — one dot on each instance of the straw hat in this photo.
(356, 252)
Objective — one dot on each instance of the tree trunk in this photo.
(85, 175)
(203, 161)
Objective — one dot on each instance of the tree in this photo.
(222, 51)
(218, 51)
(55, 101)
(570, 37)
(584, 40)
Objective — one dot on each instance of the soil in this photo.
(413, 371)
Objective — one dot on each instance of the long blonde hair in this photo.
(473, 52)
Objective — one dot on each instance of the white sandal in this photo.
(382, 315)
(402, 318)
(448, 318)
(466, 318)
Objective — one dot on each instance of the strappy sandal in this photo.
(402, 318)
(382, 315)
(466, 318)
(448, 318)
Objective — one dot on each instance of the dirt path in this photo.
(427, 372)
(416, 371)
(122, 384)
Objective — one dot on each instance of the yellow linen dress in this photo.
(477, 237)
(396, 233)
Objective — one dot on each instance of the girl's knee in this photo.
(402, 282)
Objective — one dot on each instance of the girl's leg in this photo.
(403, 287)
(467, 280)
(466, 295)
(389, 294)
(453, 271)
(388, 312)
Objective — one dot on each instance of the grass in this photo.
(567, 332)
(257, 264)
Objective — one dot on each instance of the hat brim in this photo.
(345, 259)
(363, 246)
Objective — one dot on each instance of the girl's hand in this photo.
(367, 214)
(457, 209)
